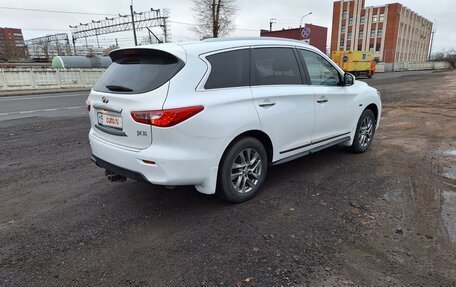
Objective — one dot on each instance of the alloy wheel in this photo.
(366, 131)
(246, 170)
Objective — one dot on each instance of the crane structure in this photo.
(135, 21)
(43, 48)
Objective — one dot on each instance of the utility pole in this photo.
(133, 23)
(432, 43)
(164, 27)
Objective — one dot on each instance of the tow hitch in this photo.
(112, 177)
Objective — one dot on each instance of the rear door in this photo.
(137, 80)
(284, 103)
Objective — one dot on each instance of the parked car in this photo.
(218, 113)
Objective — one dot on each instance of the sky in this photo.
(252, 16)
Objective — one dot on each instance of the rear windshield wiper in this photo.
(116, 88)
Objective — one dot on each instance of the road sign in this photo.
(305, 33)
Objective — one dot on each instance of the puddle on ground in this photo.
(449, 172)
(449, 213)
(449, 152)
(448, 166)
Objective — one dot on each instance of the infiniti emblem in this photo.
(105, 100)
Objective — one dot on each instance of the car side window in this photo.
(320, 71)
(229, 69)
(275, 66)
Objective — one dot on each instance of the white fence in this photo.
(420, 66)
(405, 66)
(32, 79)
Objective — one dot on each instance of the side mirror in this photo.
(349, 79)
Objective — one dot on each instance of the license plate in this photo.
(110, 120)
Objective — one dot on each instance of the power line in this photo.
(193, 24)
(45, 29)
(56, 11)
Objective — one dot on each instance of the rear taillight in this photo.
(165, 118)
(88, 105)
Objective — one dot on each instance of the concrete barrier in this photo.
(35, 79)
(405, 66)
(399, 67)
(380, 68)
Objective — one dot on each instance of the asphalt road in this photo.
(43, 105)
(383, 218)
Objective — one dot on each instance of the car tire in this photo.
(365, 130)
(242, 170)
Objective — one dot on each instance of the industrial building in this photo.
(12, 46)
(312, 34)
(392, 31)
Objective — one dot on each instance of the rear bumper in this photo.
(173, 165)
(117, 169)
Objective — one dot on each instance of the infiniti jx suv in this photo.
(217, 114)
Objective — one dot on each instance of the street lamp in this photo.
(300, 25)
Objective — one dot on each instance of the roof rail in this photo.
(225, 39)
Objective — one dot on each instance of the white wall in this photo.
(28, 79)
(33, 79)
(404, 66)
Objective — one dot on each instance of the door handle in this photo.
(265, 105)
(322, 100)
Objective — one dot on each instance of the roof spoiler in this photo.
(173, 49)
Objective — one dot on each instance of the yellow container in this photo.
(355, 62)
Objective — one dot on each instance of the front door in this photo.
(334, 104)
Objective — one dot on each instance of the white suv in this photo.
(217, 113)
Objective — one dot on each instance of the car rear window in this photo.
(138, 71)
(229, 69)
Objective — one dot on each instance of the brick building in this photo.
(394, 32)
(12, 46)
(314, 35)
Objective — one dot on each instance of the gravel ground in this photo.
(383, 218)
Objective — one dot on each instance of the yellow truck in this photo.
(355, 62)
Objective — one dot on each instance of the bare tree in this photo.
(214, 18)
(45, 50)
(448, 56)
